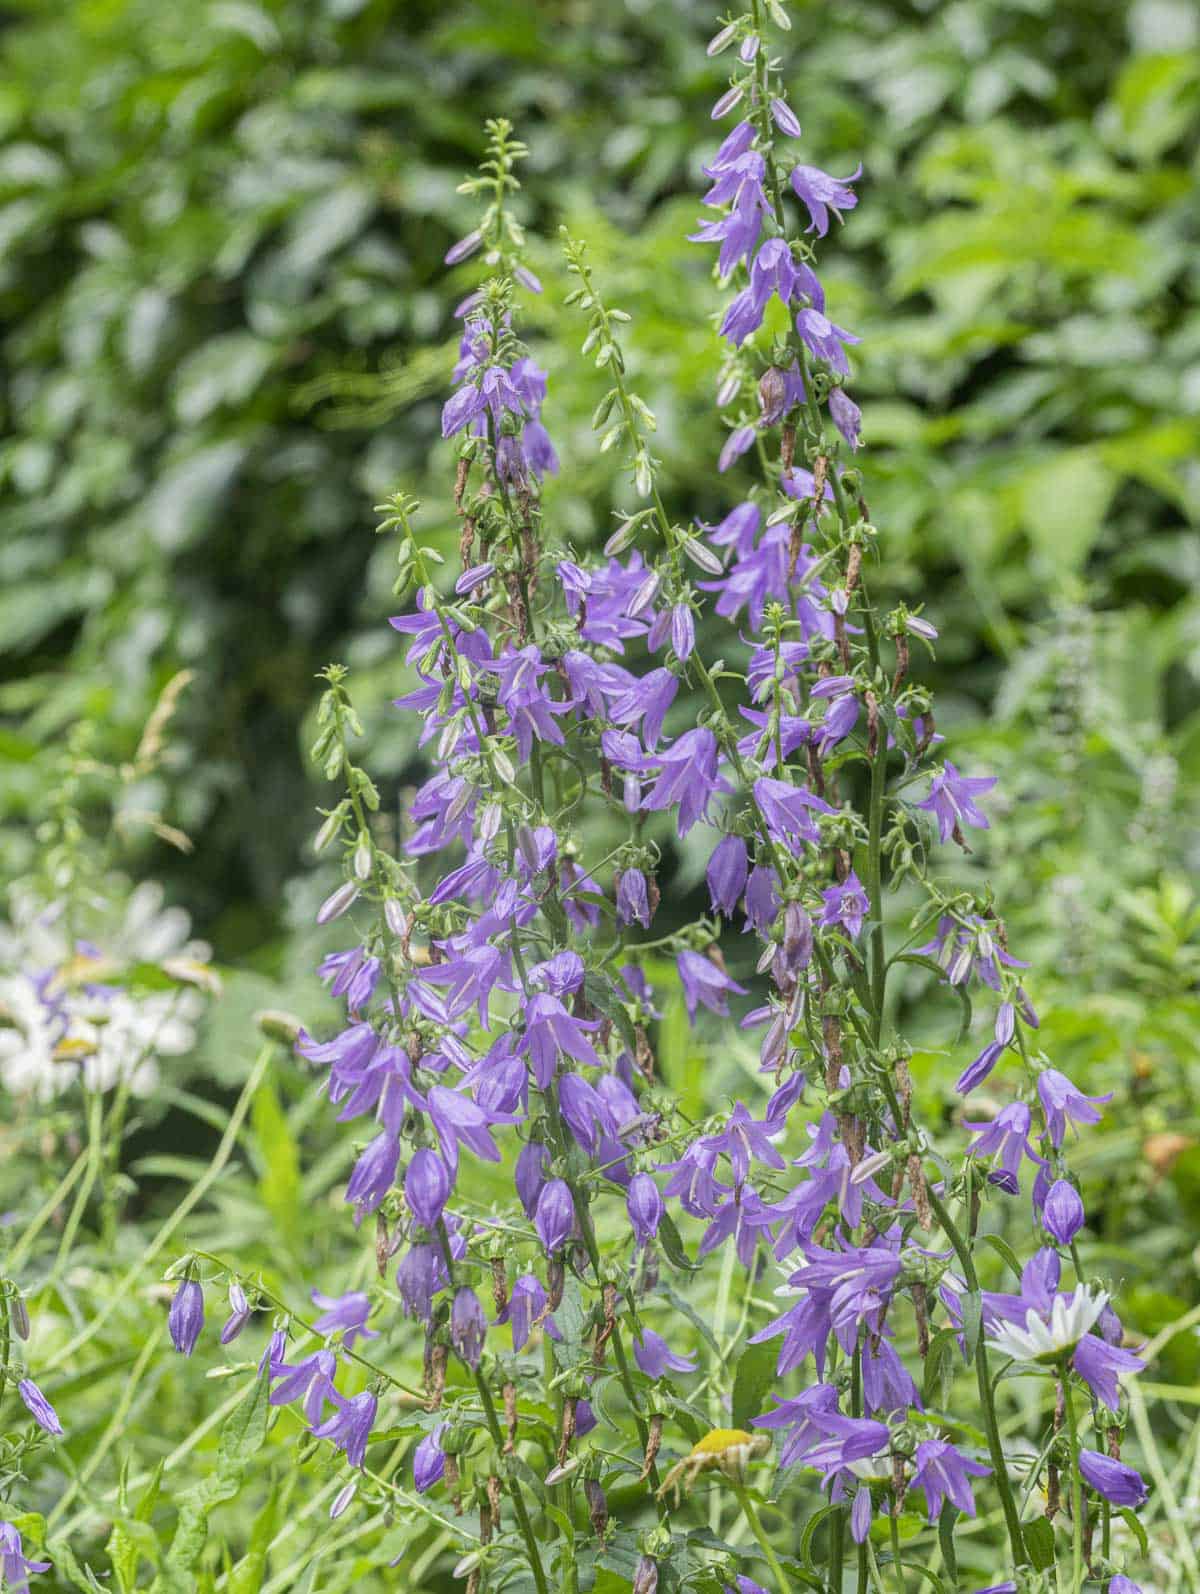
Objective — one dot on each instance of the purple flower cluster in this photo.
(496, 980)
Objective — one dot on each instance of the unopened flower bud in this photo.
(337, 902)
(186, 1317)
(18, 1316)
(279, 1026)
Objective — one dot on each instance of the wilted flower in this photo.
(468, 1326)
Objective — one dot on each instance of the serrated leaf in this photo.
(245, 1429)
(247, 1576)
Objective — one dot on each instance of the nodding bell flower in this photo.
(186, 1317)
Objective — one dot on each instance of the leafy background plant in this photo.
(226, 336)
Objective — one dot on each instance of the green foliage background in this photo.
(226, 334)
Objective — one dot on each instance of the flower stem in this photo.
(991, 1427)
(1077, 1506)
(897, 1561)
(518, 1499)
(756, 1527)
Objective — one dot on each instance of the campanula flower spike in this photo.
(733, 688)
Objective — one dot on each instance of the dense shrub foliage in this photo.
(640, 680)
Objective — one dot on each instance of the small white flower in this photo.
(1045, 1340)
(57, 1028)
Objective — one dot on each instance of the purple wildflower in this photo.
(704, 984)
(951, 800)
(427, 1186)
(468, 1326)
(633, 901)
(15, 1566)
(944, 1473)
(1118, 1484)
(526, 1306)
(1063, 1101)
(820, 193)
(429, 1461)
(1006, 1137)
(186, 1317)
(350, 1426)
(239, 1313)
(644, 1204)
(372, 1175)
(787, 811)
(825, 339)
(344, 1314)
(531, 1174)
(726, 874)
(311, 1379)
(847, 416)
(554, 1217)
(1062, 1212)
(688, 778)
(39, 1408)
(655, 1357)
(846, 906)
(1101, 1365)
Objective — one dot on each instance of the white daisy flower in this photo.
(58, 1023)
(1045, 1339)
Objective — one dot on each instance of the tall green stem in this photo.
(193, 1198)
(897, 1559)
(1077, 1507)
(523, 1522)
(752, 1517)
(875, 879)
(983, 1377)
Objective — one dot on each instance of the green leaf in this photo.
(279, 1181)
(822, 1514)
(753, 1378)
(960, 991)
(972, 1324)
(1039, 1541)
(224, 371)
(1003, 1249)
(127, 1543)
(244, 1429)
(1134, 1523)
(940, 1367)
(668, 1236)
(950, 1515)
(1063, 503)
(247, 1576)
